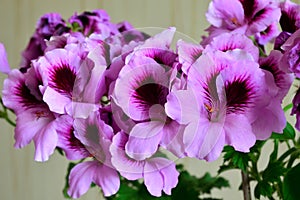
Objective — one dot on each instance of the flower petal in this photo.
(107, 178)
(239, 135)
(144, 139)
(4, 66)
(128, 168)
(81, 177)
(160, 175)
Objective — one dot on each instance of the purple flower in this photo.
(59, 70)
(267, 35)
(34, 119)
(159, 173)
(244, 16)
(4, 66)
(96, 137)
(220, 93)
(290, 16)
(290, 61)
(282, 80)
(142, 99)
(50, 24)
(96, 21)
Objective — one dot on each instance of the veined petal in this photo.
(17, 95)
(45, 142)
(67, 141)
(160, 175)
(188, 53)
(30, 123)
(107, 178)
(81, 177)
(129, 168)
(138, 89)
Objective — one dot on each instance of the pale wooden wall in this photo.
(20, 177)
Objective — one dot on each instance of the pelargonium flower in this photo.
(220, 93)
(290, 16)
(159, 173)
(282, 80)
(50, 24)
(4, 66)
(97, 21)
(290, 61)
(58, 69)
(96, 136)
(34, 120)
(142, 97)
(244, 16)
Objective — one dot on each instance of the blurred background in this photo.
(21, 178)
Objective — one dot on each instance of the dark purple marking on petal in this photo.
(211, 95)
(260, 14)
(288, 20)
(72, 143)
(249, 7)
(163, 57)
(271, 66)
(239, 95)
(25, 98)
(150, 93)
(62, 79)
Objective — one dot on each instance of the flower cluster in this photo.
(116, 98)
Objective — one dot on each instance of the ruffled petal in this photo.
(160, 175)
(107, 178)
(81, 177)
(129, 168)
(144, 139)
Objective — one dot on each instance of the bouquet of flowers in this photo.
(125, 104)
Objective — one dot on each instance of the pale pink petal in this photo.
(239, 135)
(144, 139)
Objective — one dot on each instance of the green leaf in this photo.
(263, 189)
(65, 190)
(291, 184)
(236, 159)
(207, 183)
(288, 133)
(287, 107)
(273, 172)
